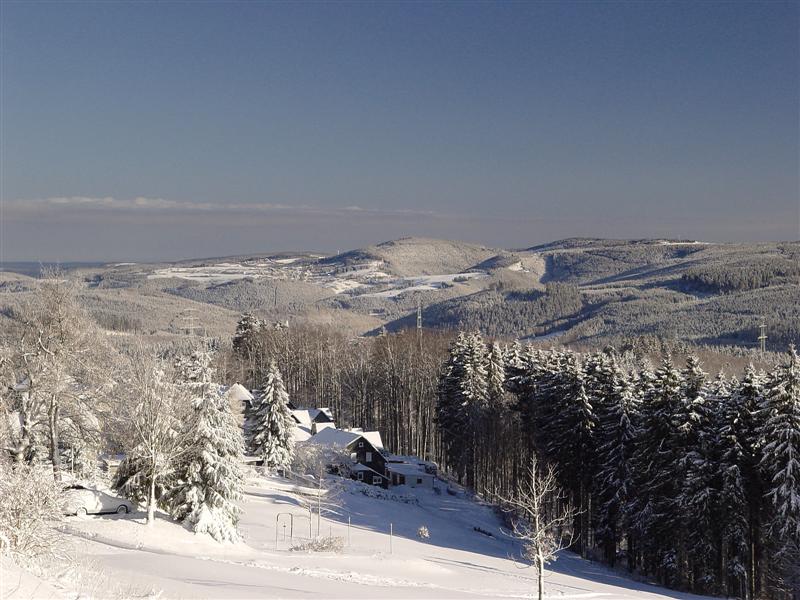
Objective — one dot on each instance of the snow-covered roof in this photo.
(239, 393)
(341, 438)
(374, 438)
(407, 469)
(414, 460)
(336, 438)
(306, 416)
(300, 433)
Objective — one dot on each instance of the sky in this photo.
(168, 130)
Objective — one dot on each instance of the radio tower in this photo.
(189, 318)
(762, 338)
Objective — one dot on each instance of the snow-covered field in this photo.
(357, 279)
(121, 557)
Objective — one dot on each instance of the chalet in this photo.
(365, 448)
(410, 474)
(410, 471)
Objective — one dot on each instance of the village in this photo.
(370, 462)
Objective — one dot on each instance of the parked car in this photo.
(82, 500)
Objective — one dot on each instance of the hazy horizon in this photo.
(164, 131)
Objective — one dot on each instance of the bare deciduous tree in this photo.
(153, 409)
(542, 517)
(60, 359)
(317, 461)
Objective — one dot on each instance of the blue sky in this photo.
(177, 129)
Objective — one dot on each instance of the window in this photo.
(361, 475)
(360, 444)
(376, 480)
(369, 456)
(419, 480)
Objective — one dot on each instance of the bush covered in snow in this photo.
(321, 544)
(423, 533)
(30, 504)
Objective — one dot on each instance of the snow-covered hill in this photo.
(128, 559)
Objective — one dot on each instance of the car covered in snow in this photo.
(85, 500)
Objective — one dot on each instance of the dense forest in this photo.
(691, 479)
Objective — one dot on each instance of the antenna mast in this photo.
(189, 318)
(762, 338)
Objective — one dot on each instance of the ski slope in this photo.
(455, 562)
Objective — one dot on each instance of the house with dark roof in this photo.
(365, 449)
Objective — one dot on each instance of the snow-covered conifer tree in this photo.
(271, 422)
(568, 425)
(698, 466)
(617, 435)
(657, 519)
(733, 509)
(780, 461)
(209, 479)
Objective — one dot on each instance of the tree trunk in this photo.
(540, 576)
(151, 502)
(55, 456)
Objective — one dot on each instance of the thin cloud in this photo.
(58, 205)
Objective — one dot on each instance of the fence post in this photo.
(391, 535)
(348, 530)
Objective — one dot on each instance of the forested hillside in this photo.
(585, 292)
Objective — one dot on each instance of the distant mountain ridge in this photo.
(579, 290)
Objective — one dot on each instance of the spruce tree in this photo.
(780, 464)
(451, 417)
(209, 479)
(271, 422)
(733, 510)
(746, 400)
(657, 516)
(616, 438)
(698, 470)
(568, 425)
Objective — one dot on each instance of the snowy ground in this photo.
(358, 279)
(127, 559)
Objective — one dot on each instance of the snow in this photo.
(238, 393)
(334, 438)
(300, 433)
(424, 283)
(455, 562)
(16, 582)
(306, 416)
(340, 286)
(373, 437)
(218, 273)
(341, 438)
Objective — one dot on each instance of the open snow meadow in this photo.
(122, 558)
